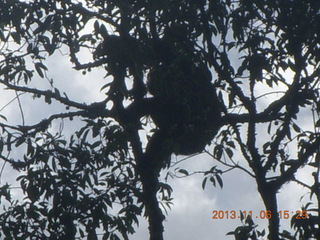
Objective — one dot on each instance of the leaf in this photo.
(269, 127)
(266, 147)
(231, 45)
(96, 26)
(249, 221)
(288, 134)
(106, 236)
(57, 92)
(16, 37)
(85, 37)
(81, 233)
(204, 183)
(96, 144)
(19, 142)
(2, 37)
(9, 142)
(218, 152)
(213, 181)
(296, 128)
(47, 98)
(3, 117)
(95, 131)
(39, 68)
(130, 173)
(231, 233)
(231, 144)
(307, 205)
(313, 164)
(229, 152)
(30, 148)
(219, 180)
(1, 145)
(261, 234)
(241, 216)
(183, 171)
(105, 86)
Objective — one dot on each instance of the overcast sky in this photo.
(190, 217)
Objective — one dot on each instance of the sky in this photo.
(191, 214)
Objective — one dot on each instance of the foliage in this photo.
(262, 58)
(248, 229)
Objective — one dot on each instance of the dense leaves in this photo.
(73, 189)
(259, 58)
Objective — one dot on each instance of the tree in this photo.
(235, 53)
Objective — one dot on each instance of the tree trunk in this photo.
(156, 156)
(269, 196)
(155, 216)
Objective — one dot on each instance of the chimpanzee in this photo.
(187, 107)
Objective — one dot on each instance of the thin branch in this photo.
(6, 159)
(2, 169)
(45, 93)
(302, 183)
(302, 159)
(235, 165)
(11, 101)
(45, 122)
(185, 158)
(203, 172)
(231, 118)
(20, 107)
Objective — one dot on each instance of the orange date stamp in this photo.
(283, 214)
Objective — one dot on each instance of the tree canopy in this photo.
(180, 76)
